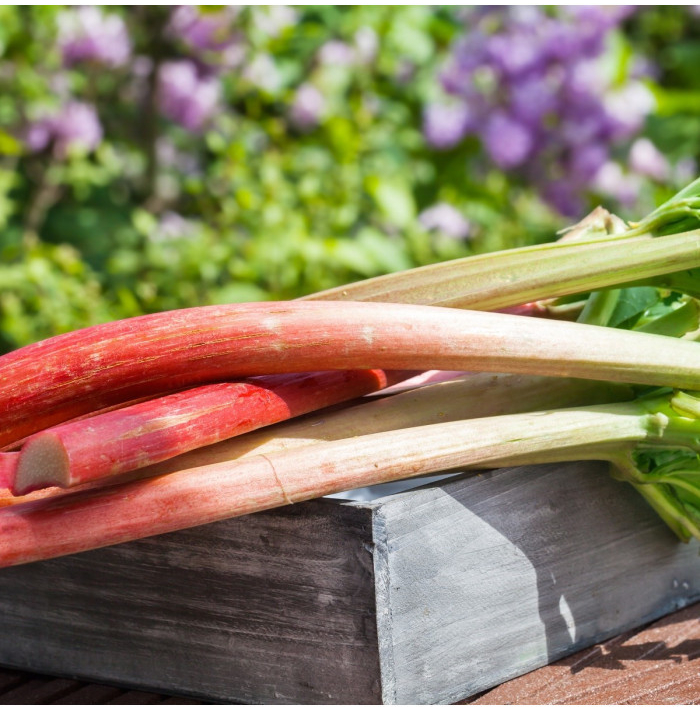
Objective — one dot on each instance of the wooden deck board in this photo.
(28, 688)
(659, 664)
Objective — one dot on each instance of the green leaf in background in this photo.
(9, 145)
(318, 181)
(394, 199)
(671, 102)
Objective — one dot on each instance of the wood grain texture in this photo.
(659, 664)
(485, 578)
(277, 607)
(428, 596)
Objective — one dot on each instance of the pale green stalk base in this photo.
(508, 278)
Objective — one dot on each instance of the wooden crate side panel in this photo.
(277, 607)
(488, 577)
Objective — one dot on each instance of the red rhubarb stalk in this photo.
(153, 431)
(58, 379)
(8, 466)
(128, 436)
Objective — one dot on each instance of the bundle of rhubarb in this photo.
(148, 425)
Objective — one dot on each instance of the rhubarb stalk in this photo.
(87, 520)
(470, 396)
(60, 378)
(509, 278)
(8, 468)
(467, 397)
(155, 430)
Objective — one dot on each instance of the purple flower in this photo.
(539, 96)
(628, 108)
(586, 160)
(171, 227)
(183, 161)
(76, 125)
(307, 107)
(531, 99)
(514, 54)
(685, 171)
(87, 34)
(507, 141)
(470, 53)
(646, 159)
(186, 97)
(38, 135)
(592, 23)
(445, 124)
(445, 218)
(204, 32)
(335, 52)
(564, 196)
(602, 17)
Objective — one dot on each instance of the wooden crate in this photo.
(427, 596)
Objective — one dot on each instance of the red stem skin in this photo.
(17, 445)
(152, 431)
(539, 310)
(73, 375)
(535, 310)
(8, 466)
(106, 515)
(67, 376)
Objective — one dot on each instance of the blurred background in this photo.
(161, 157)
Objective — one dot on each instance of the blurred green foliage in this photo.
(253, 207)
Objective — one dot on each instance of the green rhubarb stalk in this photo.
(599, 307)
(507, 278)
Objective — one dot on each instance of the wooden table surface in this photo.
(657, 664)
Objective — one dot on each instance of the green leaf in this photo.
(671, 102)
(395, 201)
(631, 305)
(9, 145)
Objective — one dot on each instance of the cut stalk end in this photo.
(42, 463)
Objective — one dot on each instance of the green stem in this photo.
(507, 278)
(678, 482)
(670, 510)
(599, 307)
(658, 496)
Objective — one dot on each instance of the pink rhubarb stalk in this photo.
(66, 376)
(152, 431)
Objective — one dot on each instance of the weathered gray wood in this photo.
(488, 577)
(277, 607)
(426, 596)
